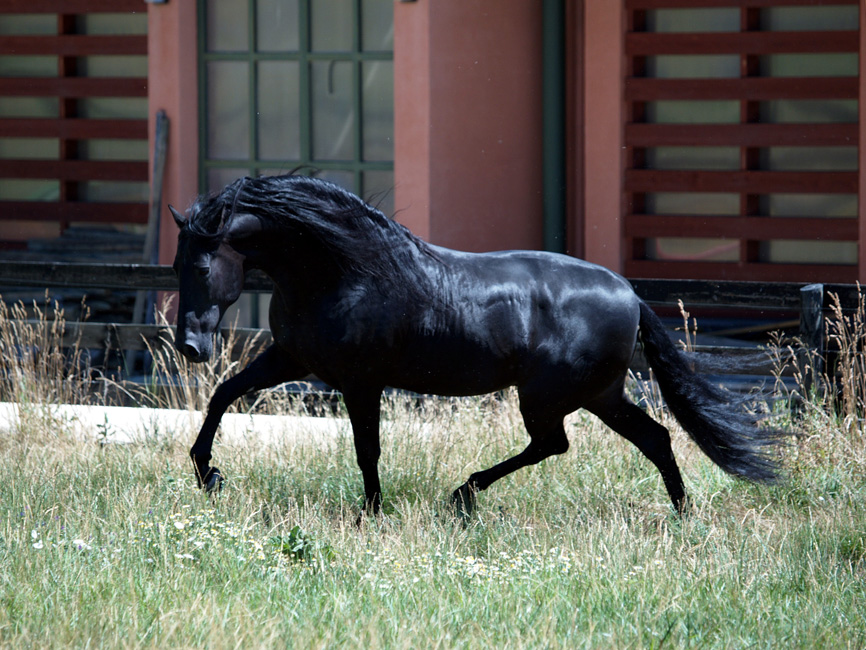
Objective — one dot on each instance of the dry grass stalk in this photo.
(35, 366)
(187, 385)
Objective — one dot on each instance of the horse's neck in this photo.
(288, 259)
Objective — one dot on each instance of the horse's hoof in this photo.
(463, 500)
(213, 482)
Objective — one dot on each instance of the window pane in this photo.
(29, 107)
(693, 66)
(332, 25)
(379, 190)
(377, 25)
(100, 149)
(332, 110)
(279, 111)
(34, 148)
(806, 111)
(227, 26)
(809, 159)
(25, 189)
(346, 180)
(674, 111)
(702, 203)
(707, 158)
(810, 205)
(809, 252)
(787, 19)
(113, 191)
(219, 177)
(809, 65)
(228, 110)
(113, 107)
(99, 23)
(28, 66)
(28, 24)
(693, 20)
(113, 66)
(693, 249)
(378, 110)
(277, 24)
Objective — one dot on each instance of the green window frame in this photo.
(286, 84)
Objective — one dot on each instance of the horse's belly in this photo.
(453, 372)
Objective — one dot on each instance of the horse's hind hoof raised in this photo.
(463, 500)
(213, 482)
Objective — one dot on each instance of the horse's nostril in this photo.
(190, 351)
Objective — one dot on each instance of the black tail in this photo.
(731, 437)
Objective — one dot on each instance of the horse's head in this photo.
(210, 274)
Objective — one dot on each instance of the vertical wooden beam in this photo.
(635, 157)
(861, 195)
(812, 333)
(603, 131)
(67, 66)
(750, 158)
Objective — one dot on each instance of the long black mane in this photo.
(358, 237)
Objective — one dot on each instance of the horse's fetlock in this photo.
(560, 446)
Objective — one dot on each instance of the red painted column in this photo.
(412, 131)
(603, 132)
(173, 87)
(468, 150)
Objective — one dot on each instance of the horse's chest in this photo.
(318, 334)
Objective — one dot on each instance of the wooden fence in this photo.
(771, 301)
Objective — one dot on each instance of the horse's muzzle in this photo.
(192, 351)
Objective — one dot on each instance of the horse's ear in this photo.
(242, 225)
(179, 219)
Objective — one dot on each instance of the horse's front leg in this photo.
(270, 368)
(363, 408)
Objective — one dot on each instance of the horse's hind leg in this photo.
(270, 368)
(547, 437)
(364, 410)
(650, 437)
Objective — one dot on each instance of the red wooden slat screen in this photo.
(755, 180)
(71, 6)
(72, 127)
(73, 45)
(745, 4)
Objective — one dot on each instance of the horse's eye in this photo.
(203, 271)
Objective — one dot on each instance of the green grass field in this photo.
(113, 546)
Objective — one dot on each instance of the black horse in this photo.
(363, 304)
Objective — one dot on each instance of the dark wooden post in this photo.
(812, 334)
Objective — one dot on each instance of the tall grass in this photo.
(35, 365)
(113, 546)
(185, 385)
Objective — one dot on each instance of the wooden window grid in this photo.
(751, 225)
(354, 171)
(69, 168)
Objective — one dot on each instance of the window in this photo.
(298, 83)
